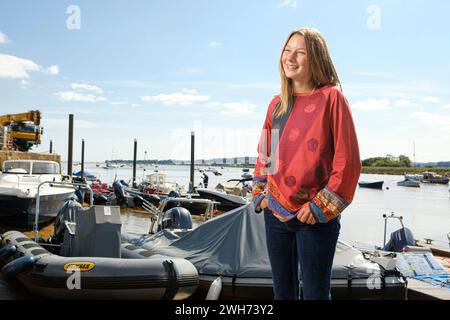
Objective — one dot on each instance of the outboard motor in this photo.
(177, 218)
(399, 239)
(173, 194)
(119, 191)
(122, 182)
(65, 215)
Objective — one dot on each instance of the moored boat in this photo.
(19, 183)
(409, 183)
(371, 185)
(431, 177)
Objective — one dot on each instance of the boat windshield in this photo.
(17, 167)
(45, 168)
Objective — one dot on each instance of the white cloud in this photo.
(3, 38)
(447, 106)
(18, 68)
(52, 70)
(288, 3)
(86, 87)
(403, 103)
(184, 98)
(215, 44)
(24, 84)
(432, 99)
(372, 104)
(76, 96)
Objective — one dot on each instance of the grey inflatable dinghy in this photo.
(90, 265)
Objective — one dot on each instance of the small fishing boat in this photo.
(431, 177)
(371, 185)
(409, 183)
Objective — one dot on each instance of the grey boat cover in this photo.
(234, 244)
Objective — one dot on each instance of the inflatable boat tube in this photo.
(58, 277)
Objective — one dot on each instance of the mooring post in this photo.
(82, 158)
(70, 152)
(191, 183)
(134, 163)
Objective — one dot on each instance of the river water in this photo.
(425, 210)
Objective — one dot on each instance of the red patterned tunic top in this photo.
(316, 160)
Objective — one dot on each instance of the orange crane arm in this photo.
(34, 116)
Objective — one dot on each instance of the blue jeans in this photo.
(294, 243)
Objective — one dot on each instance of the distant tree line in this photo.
(161, 162)
(388, 161)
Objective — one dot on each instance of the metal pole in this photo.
(192, 161)
(385, 226)
(82, 158)
(70, 152)
(134, 163)
(51, 146)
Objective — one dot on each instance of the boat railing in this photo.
(391, 216)
(70, 185)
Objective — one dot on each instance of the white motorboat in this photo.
(19, 183)
(156, 183)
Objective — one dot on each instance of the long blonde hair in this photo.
(319, 61)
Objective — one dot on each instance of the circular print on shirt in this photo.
(290, 181)
(293, 134)
(313, 144)
(310, 108)
(300, 197)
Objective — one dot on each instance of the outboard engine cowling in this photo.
(177, 218)
(119, 191)
(399, 239)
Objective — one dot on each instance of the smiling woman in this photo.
(307, 177)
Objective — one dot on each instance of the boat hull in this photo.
(436, 180)
(371, 185)
(374, 288)
(409, 183)
(21, 211)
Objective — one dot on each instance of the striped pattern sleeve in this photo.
(327, 205)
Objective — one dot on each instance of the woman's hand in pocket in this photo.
(305, 215)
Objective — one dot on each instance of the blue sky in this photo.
(156, 70)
